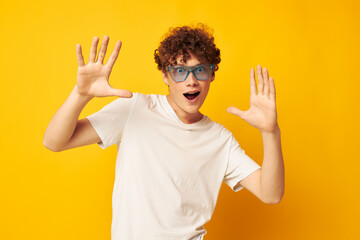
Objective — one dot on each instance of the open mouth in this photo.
(191, 96)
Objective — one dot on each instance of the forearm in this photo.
(272, 173)
(63, 123)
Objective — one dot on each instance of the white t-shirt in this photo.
(168, 174)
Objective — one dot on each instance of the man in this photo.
(171, 158)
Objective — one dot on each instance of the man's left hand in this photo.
(262, 112)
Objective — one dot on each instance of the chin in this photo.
(192, 109)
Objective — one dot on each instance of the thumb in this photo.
(119, 92)
(237, 112)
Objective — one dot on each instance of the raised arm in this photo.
(65, 131)
(266, 183)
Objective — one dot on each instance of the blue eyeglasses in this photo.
(201, 72)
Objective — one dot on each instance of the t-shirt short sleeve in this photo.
(110, 122)
(239, 166)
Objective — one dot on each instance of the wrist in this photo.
(273, 132)
(80, 97)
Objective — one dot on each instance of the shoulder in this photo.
(118, 105)
(149, 100)
(219, 129)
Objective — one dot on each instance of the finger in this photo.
(103, 49)
(110, 63)
(252, 82)
(119, 92)
(260, 80)
(266, 82)
(237, 112)
(79, 55)
(272, 89)
(93, 49)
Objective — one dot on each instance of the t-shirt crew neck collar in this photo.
(173, 114)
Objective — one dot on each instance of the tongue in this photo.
(190, 96)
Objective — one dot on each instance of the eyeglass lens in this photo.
(202, 72)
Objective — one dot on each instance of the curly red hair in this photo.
(183, 41)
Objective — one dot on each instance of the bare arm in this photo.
(266, 183)
(65, 131)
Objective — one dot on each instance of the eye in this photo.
(200, 69)
(180, 70)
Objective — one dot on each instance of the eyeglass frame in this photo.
(191, 69)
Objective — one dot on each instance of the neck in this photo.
(185, 117)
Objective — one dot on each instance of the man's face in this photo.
(187, 97)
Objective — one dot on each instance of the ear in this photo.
(165, 78)
(212, 78)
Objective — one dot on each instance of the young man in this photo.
(171, 158)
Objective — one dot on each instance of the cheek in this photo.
(174, 90)
(206, 88)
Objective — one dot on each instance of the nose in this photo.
(191, 80)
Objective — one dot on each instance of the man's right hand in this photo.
(93, 78)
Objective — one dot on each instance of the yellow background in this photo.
(311, 49)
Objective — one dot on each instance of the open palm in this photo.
(262, 112)
(93, 78)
